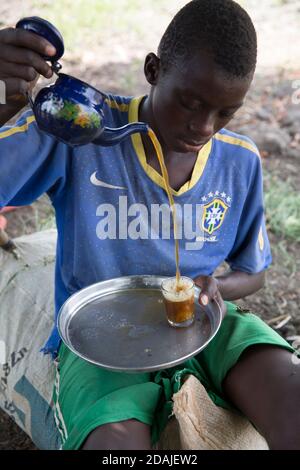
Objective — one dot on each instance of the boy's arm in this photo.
(237, 284)
(232, 285)
(31, 162)
(250, 255)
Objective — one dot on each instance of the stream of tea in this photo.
(165, 176)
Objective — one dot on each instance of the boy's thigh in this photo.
(239, 331)
(87, 397)
(254, 370)
(265, 386)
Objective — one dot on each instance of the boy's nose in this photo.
(202, 128)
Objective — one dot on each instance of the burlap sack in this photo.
(26, 318)
(199, 424)
(26, 375)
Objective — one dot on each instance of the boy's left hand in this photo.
(209, 292)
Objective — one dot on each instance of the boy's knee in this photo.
(125, 435)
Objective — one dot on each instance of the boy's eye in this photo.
(189, 105)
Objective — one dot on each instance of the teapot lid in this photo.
(47, 30)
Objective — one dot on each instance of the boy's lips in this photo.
(192, 143)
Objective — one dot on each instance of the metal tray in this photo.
(120, 324)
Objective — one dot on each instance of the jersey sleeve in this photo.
(251, 251)
(31, 163)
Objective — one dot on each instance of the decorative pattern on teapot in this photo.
(69, 111)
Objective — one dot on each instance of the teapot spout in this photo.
(111, 136)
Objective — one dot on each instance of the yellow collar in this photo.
(151, 172)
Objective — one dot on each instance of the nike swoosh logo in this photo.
(96, 182)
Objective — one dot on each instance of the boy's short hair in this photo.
(221, 28)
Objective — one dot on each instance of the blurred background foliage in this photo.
(86, 24)
(101, 32)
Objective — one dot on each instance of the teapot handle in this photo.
(47, 30)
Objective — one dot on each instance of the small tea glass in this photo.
(179, 303)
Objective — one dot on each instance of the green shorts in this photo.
(86, 396)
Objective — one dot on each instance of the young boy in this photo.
(199, 78)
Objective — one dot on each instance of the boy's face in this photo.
(189, 106)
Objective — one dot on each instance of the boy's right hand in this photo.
(21, 63)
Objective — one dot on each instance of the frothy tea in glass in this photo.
(179, 300)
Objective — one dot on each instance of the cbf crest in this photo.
(213, 215)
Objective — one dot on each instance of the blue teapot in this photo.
(70, 109)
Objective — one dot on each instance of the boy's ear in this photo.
(151, 68)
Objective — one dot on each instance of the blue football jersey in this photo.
(112, 212)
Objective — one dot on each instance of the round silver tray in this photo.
(120, 324)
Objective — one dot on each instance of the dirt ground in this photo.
(271, 116)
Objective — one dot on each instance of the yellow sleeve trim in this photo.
(15, 130)
(235, 141)
(123, 107)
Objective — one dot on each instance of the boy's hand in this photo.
(209, 292)
(21, 62)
